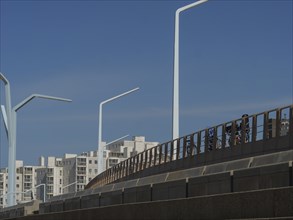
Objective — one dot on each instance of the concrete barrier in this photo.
(270, 203)
(22, 209)
(207, 180)
(209, 185)
(111, 198)
(271, 176)
(90, 201)
(57, 206)
(169, 190)
(137, 194)
(44, 207)
(72, 204)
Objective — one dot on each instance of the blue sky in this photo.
(235, 58)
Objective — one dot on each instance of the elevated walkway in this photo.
(248, 136)
(224, 175)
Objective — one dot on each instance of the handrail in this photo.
(247, 129)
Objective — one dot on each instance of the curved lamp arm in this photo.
(31, 97)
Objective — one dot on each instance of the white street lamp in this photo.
(118, 139)
(176, 69)
(32, 191)
(100, 150)
(11, 128)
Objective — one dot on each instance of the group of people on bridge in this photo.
(212, 138)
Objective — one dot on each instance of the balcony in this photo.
(81, 172)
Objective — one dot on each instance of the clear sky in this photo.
(235, 58)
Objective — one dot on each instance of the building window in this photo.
(96, 162)
(96, 171)
(90, 170)
(17, 177)
(17, 185)
(90, 161)
(60, 181)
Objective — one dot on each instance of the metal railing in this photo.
(247, 129)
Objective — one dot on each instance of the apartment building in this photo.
(71, 173)
(49, 178)
(121, 150)
(25, 183)
(79, 170)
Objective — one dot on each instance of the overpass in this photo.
(236, 170)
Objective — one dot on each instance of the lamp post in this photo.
(116, 140)
(100, 150)
(32, 191)
(11, 163)
(175, 121)
(11, 133)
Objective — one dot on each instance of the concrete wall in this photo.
(264, 177)
(175, 185)
(255, 204)
(250, 174)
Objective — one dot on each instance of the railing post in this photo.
(177, 148)
(184, 147)
(145, 159)
(254, 128)
(155, 155)
(278, 123)
(172, 150)
(243, 129)
(134, 163)
(192, 144)
(131, 165)
(223, 136)
(127, 167)
(115, 173)
(123, 169)
(141, 161)
(215, 138)
(137, 163)
(233, 134)
(265, 126)
(112, 170)
(119, 171)
(206, 141)
(198, 142)
(291, 126)
(160, 154)
(166, 152)
(150, 159)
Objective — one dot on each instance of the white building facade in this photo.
(71, 173)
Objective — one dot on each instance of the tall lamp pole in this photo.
(175, 121)
(11, 133)
(100, 150)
